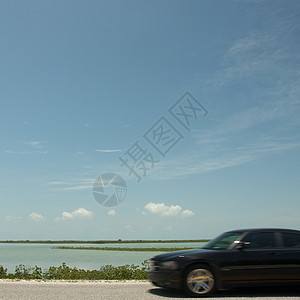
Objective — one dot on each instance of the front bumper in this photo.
(166, 278)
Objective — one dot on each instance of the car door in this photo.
(258, 263)
(289, 255)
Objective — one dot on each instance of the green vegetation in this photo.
(123, 249)
(63, 272)
(103, 241)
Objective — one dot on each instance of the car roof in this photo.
(265, 229)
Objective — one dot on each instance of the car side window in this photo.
(261, 240)
(291, 240)
(226, 241)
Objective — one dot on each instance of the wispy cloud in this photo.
(34, 144)
(212, 156)
(76, 187)
(38, 145)
(259, 53)
(58, 182)
(13, 218)
(78, 184)
(73, 184)
(264, 120)
(241, 138)
(26, 152)
(107, 150)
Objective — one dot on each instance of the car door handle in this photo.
(275, 253)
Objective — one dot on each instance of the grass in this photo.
(63, 272)
(123, 249)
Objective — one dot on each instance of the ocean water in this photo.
(43, 255)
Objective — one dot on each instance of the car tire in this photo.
(199, 281)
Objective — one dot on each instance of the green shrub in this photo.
(63, 272)
(3, 272)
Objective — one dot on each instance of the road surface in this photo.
(32, 290)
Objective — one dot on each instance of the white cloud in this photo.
(162, 209)
(36, 217)
(80, 213)
(112, 212)
(166, 211)
(187, 213)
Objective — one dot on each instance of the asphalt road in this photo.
(31, 290)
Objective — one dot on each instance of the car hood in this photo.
(170, 255)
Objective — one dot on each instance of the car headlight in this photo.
(152, 264)
(170, 265)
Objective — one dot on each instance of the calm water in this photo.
(44, 256)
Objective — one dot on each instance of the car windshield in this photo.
(223, 241)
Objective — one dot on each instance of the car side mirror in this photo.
(243, 245)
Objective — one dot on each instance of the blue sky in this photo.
(81, 82)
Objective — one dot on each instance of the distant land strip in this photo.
(101, 241)
(125, 249)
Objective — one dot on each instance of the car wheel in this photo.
(199, 281)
